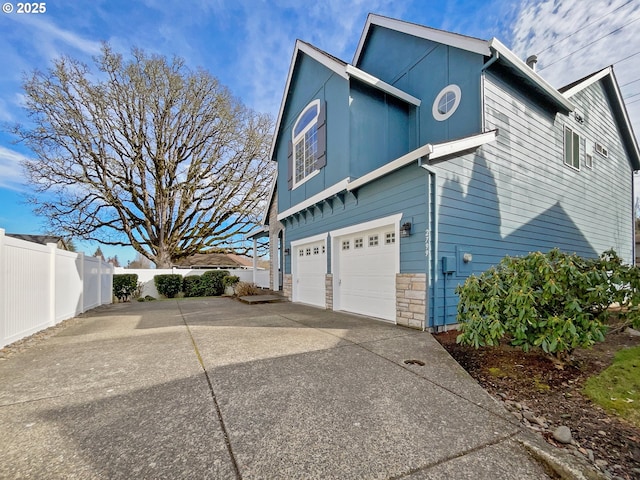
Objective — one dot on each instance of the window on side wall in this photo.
(307, 152)
(571, 148)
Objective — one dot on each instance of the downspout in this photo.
(495, 57)
(433, 245)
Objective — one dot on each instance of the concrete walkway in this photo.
(213, 388)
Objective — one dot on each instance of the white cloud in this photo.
(10, 169)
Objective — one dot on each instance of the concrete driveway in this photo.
(212, 388)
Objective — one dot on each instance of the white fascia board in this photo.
(318, 197)
(467, 143)
(588, 82)
(380, 85)
(391, 166)
(371, 225)
(325, 60)
(429, 150)
(272, 192)
(512, 58)
(256, 233)
(456, 40)
(316, 238)
(625, 114)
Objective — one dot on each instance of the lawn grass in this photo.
(617, 389)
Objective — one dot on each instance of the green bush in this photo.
(212, 282)
(193, 286)
(168, 285)
(124, 285)
(230, 281)
(554, 301)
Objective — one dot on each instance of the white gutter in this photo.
(508, 56)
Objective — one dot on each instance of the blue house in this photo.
(430, 157)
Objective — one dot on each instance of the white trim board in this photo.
(312, 239)
(378, 223)
(380, 85)
(318, 197)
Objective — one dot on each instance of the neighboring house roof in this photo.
(215, 260)
(612, 89)
(41, 239)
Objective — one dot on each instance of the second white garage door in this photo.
(367, 264)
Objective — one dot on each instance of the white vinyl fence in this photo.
(40, 286)
(145, 276)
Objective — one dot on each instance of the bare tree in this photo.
(139, 262)
(146, 153)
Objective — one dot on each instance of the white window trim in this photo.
(455, 89)
(300, 135)
(564, 147)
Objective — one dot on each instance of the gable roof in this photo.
(342, 69)
(612, 89)
(488, 48)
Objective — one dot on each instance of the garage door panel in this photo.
(310, 271)
(367, 271)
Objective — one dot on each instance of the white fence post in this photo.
(52, 282)
(3, 290)
(81, 262)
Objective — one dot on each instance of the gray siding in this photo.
(516, 195)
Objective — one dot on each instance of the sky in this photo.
(248, 45)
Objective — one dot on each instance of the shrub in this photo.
(193, 286)
(212, 282)
(554, 301)
(149, 298)
(244, 289)
(124, 285)
(230, 281)
(168, 285)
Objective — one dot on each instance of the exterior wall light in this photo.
(287, 251)
(405, 229)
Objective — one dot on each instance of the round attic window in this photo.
(446, 102)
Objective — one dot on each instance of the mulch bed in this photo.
(552, 391)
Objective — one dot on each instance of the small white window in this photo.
(346, 245)
(308, 252)
(602, 150)
(588, 153)
(323, 249)
(446, 102)
(301, 252)
(373, 240)
(390, 238)
(571, 148)
(358, 243)
(305, 144)
(316, 250)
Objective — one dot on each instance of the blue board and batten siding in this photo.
(312, 80)
(422, 68)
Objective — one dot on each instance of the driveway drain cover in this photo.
(414, 362)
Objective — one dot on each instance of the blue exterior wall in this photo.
(423, 68)
(404, 191)
(381, 129)
(312, 80)
(516, 195)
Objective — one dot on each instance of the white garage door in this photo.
(367, 266)
(309, 273)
